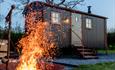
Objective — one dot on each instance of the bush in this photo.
(15, 37)
(112, 47)
(111, 40)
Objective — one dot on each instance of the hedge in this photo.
(111, 40)
(15, 37)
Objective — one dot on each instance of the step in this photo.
(79, 49)
(90, 57)
(82, 47)
(87, 53)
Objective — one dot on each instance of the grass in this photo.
(99, 66)
(109, 51)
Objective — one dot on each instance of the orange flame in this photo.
(36, 45)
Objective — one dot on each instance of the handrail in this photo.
(80, 39)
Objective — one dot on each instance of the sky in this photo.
(99, 7)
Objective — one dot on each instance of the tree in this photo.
(17, 29)
(72, 4)
(111, 30)
(22, 1)
(59, 2)
(66, 3)
(1, 1)
(20, 5)
(1, 17)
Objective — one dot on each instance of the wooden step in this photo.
(80, 46)
(87, 53)
(90, 57)
(80, 49)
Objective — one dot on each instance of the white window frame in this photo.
(88, 23)
(55, 17)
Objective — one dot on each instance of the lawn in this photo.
(109, 51)
(99, 66)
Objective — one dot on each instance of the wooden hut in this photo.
(86, 32)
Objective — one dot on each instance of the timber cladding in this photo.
(94, 37)
(62, 30)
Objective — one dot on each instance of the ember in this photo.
(36, 46)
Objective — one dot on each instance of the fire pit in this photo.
(49, 66)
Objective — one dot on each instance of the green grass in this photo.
(99, 66)
(109, 51)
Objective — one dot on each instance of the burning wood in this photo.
(12, 66)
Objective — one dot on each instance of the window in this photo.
(88, 23)
(55, 17)
(66, 21)
(76, 19)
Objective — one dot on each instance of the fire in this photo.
(36, 45)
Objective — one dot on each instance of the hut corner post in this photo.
(106, 35)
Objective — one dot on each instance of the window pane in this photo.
(53, 20)
(88, 23)
(55, 17)
(90, 26)
(53, 14)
